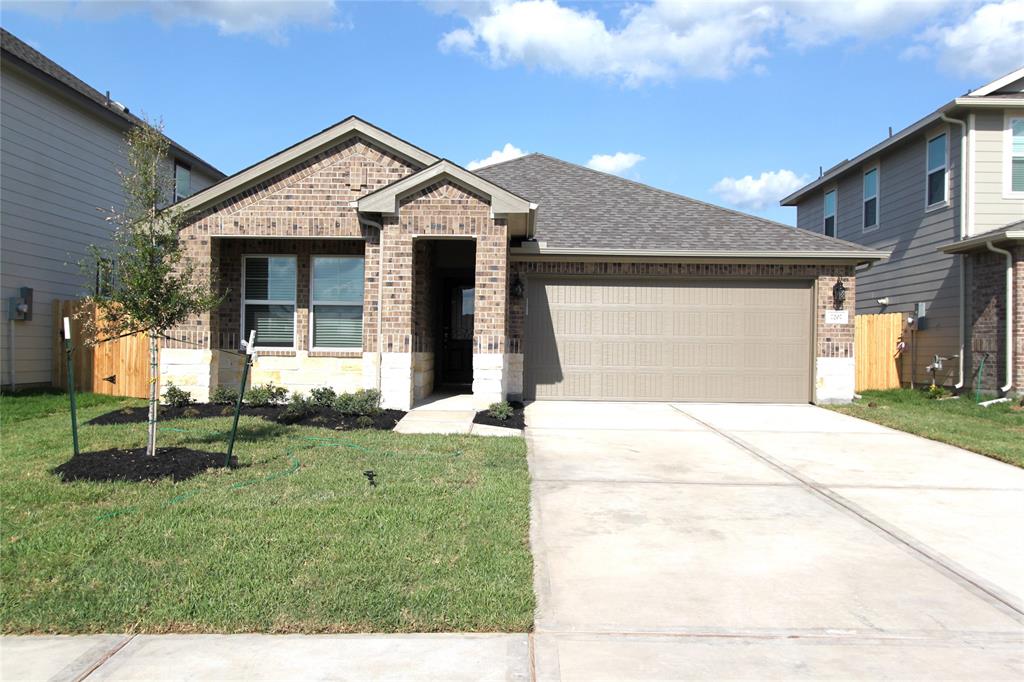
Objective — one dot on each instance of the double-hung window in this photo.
(935, 188)
(336, 303)
(829, 224)
(1015, 181)
(182, 181)
(871, 199)
(268, 300)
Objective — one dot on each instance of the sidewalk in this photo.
(266, 657)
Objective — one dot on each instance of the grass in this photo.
(996, 431)
(441, 544)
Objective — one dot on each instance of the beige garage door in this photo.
(668, 340)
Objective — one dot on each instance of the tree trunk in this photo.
(154, 394)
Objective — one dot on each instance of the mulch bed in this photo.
(516, 421)
(384, 420)
(135, 465)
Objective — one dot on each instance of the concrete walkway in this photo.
(759, 542)
(276, 658)
(450, 413)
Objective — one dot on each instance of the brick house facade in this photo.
(354, 199)
(986, 345)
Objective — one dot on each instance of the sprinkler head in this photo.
(371, 477)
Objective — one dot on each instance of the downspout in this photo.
(380, 293)
(964, 233)
(1009, 315)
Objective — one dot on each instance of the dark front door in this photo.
(456, 360)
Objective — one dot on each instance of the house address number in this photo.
(837, 317)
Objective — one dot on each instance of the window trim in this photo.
(877, 168)
(294, 303)
(1008, 118)
(313, 303)
(835, 212)
(188, 167)
(938, 205)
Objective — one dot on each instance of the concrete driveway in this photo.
(768, 541)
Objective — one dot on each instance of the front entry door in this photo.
(457, 332)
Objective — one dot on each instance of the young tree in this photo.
(154, 287)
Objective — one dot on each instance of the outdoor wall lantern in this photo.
(839, 294)
(517, 287)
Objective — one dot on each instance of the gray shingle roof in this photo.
(14, 47)
(580, 208)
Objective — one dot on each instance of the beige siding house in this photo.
(360, 260)
(946, 196)
(61, 143)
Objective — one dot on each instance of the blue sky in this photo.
(689, 97)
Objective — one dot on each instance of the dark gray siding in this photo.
(58, 172)
(916, 271)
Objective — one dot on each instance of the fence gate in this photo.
(875, 339)
(117, 367)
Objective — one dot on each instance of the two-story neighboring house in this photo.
(946, 196)
(61, 143)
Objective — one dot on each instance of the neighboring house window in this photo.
(830, 214)
(935, 188)
(336, 303)
(1016, 155)
(268, 300)
(871, 199)
(182, 181)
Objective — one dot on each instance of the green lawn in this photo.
(996, 431)
(441, 544)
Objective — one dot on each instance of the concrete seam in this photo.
(106, 657)
(980, 587)
(983, 639)
(532, 656)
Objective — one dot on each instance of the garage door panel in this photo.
(668, 340)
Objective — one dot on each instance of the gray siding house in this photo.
(61, 143)
(938, 194)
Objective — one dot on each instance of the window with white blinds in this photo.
(935, 185)
(871, 199)
(1017, 155)
(829, 226)
(336, 303)
(268, 300)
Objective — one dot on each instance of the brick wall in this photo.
(423, 297)
(987, 319)
(833, 341)
(440, 210)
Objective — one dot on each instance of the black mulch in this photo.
(135, 465)
(516, 421)
(384, 420)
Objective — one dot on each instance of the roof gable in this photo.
(387, 199)
(301, 151)
(1011, 82)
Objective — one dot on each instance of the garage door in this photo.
(590, 339)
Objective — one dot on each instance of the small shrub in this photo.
(297, 409)
(324, 396)
(190, 413)
(364, 422)
(501, 411)
(265, 395)
(177, 397)
(362, 402)
(228, 410)
(224, 395)
(935, 392)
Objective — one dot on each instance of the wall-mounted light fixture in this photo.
(838, 294)
(516, 289)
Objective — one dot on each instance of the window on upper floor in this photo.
(871, 199)
(1015, 174)
(829, 223)
(182, 181)
(337, 303)
(268, 300)
(935, 186)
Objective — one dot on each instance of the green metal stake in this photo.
(71, 383)
(250, 356)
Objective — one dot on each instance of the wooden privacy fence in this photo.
(116, 367)
(875, 339)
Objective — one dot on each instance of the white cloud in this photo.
(506, 153)
(667, 39)
(266, 18)
(759, 193)
(989, 43)
(616, 163)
